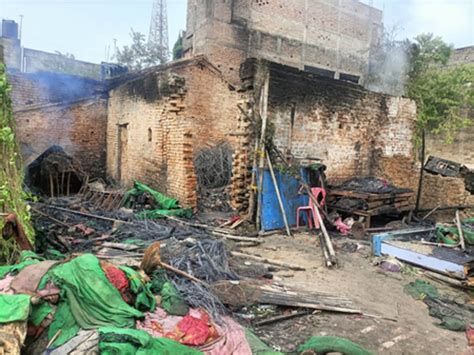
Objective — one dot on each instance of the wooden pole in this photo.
(422, 169)
(327, 239)
(51, 186)
(461, 234)
(261, 165)
(68, 188)
(277, 190)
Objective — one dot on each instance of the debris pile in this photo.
(368, 197)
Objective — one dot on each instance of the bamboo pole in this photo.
(277, 190)
(261, 165)
(461, 233)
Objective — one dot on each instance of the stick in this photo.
(261, 166)
(327, 239)
(277, 190)
(53, 339)
(431, 212)
(84, 214)
(461, 233)
(51, 186)
(51, 218)
(182, 273)
(441, 244)
(268, 261)
(238, 239)
(422, 170)
(280, 318)
(327, 259)
(68, 183)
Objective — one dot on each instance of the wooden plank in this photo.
(369, 196)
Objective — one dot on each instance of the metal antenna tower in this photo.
(158, 36)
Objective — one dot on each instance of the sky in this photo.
(86, 28)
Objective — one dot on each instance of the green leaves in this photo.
(444, 95)
(12, 196)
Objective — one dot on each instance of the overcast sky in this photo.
(86, 27)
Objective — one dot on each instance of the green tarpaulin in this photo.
(167, 206)
(144, 299)
(323, 345)
(114, 341)
(14, 308)
(165, 203)
(450, 235)
(88, 299)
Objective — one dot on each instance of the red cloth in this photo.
(119, 279)
(194, 331)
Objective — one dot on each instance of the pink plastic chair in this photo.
(310, 209)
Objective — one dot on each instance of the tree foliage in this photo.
(178, 48)
(140, 54)
(444, 95)
(12, 195)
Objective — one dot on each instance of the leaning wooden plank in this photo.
(268, 261)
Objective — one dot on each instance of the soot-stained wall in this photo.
(78, 127)
(160, 119)
(353, 131)
(56, 109)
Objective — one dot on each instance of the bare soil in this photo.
(372, 290)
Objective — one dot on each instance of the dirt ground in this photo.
(372, 290)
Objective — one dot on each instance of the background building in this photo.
(332, 38)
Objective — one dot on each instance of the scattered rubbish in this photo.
(369, 197)
(453, 316)
(407, 246)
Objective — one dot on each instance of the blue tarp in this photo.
(271, 216)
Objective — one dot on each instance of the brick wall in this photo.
(332, 35)
(30, 89)
(183, 107)
(79, 128)
(349, 128)
(461, 150)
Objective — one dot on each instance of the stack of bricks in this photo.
(241, 181)
(242, 163)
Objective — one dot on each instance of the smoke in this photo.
(388, 68)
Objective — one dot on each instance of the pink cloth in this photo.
(5, 285)
(342, 227)
(231, 340)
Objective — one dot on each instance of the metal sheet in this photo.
(271, 214)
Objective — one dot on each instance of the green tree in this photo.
(12, 196)
(178, 47)
(444, 95)
(140, 54)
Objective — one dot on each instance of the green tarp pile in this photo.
(453, 316)
(116, 341)
(167, 206)
(450, 234)
(327, 344)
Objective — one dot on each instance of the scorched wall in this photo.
(65, 110)
(353, 131)
(160, 119)
(78, 127)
